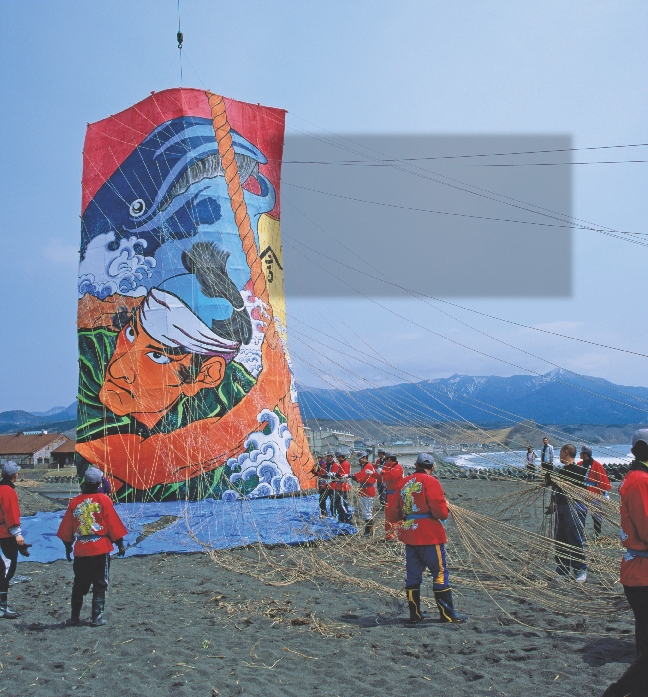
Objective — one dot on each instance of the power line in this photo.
(459, 157)
(477, 217)
(387, 163)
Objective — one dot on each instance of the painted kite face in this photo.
(145, 378)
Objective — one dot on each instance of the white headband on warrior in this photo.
(165, 318)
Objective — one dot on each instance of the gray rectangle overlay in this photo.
(365, 213)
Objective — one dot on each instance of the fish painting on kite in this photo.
(185, 385)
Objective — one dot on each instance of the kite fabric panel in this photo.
(185, 385)
(194, 526)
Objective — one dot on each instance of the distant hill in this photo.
(559, 397)
(57, 419)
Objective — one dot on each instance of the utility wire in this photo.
(460, 157)
(575, 226)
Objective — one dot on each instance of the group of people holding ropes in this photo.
(415, 512)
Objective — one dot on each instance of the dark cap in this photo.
(361, 453)
(339, 453)
(586, 449)
(425, 460)
(380, 450)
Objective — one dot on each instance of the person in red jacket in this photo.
(596, 482)
(321, 471)
(634, 537)
(341, 471)
(421, 505)
(390, 474)
(11, 539)
(366, 478)
(380, 487)
(90, 527)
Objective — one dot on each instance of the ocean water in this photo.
(609, 454)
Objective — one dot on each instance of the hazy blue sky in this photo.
(460, 68)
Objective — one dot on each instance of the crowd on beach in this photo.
(415, 509)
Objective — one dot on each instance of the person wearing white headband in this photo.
(179, 340)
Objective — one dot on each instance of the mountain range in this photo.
(558, 397)
(55, 419)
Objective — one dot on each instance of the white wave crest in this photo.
(124, 270)
(268, 461)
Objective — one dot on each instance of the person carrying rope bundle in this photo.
(366, 478)
(390, 474)
(90, 527)
(380, 461)
(634, 537)
(570, 516)
(421, 506)
(12, 541)
(341, 471)
(598, 483)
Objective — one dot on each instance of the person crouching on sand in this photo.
(11, 539)
(90, 527)
(420, 503)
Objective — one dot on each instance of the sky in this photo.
(356, 69)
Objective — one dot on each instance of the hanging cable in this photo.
(180, 39)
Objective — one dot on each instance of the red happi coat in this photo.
(322, 475)
(367, 479)
(339, 469)
(92, 523)
(420, 494)
(9, 509)
(391, 476)
(634, 527)
(596, 480)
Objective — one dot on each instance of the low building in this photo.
(323, 439)
(64, 455)
(31, 449)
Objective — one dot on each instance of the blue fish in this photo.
(171, 187)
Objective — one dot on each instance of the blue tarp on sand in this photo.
(218, 524)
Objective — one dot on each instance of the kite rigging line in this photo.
(180, 39)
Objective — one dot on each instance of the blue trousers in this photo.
(421, 557)
(570, 529)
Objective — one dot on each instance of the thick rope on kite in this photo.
(235, 191)
(299, 454)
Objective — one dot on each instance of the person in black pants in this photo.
(90, 528)
(634, 536)
(11, 540)
(571, 514)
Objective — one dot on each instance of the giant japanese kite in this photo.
(185, 387)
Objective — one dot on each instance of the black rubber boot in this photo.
(76, 604)
(98, 601)
(369, 528)
(6, 612)
(446, 607)
(414, 603)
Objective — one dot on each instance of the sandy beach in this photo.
(183, 624)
